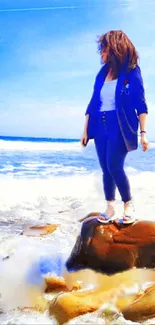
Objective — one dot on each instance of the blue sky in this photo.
(49, 59)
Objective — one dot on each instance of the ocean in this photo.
(57, 181)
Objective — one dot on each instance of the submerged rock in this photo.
(109, 292)
(143, 306)
(39, 230)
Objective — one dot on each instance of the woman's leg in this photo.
(109, 185)
(116, 159)
(116, 154)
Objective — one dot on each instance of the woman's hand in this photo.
(144, 142)
(84, 139)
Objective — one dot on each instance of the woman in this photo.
(116, 109)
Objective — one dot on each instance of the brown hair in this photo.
(119, 48)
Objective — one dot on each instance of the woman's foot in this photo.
(109, 214)
(129, 213)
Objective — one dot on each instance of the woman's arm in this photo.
(95, 99)
(86, 122)
(84, 138)
(138, 91)
(142, 122)
(140, 104)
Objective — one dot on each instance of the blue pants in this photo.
(111, 151)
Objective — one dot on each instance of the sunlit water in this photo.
(55, 182)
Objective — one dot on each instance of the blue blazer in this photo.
(129, 100)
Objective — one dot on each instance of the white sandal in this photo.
(126, 220)
(104, 218)
(130, 217)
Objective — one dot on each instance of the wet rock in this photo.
(70, 305)
(39, 230)
(59, 284)
(113, 247)
(107, 289)
(143, 307)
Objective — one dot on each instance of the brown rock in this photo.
(113, 247)
(143, 307)
(69, 305)
(38, 230)
(59, 284)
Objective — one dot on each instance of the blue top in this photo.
(129, 100)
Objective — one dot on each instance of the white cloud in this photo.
(38, 8)
(51, 117)
(125, 7)
(79, 53)
(32, 117)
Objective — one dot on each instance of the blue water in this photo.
(41, 177)
(37, 139)
(60, 156)
(44, 157)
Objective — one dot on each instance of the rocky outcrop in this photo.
(113, 247)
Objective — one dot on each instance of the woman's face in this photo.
(104, 54)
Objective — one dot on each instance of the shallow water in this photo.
(58, 184)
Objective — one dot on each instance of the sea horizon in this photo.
(44, 139)
(38, 139)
